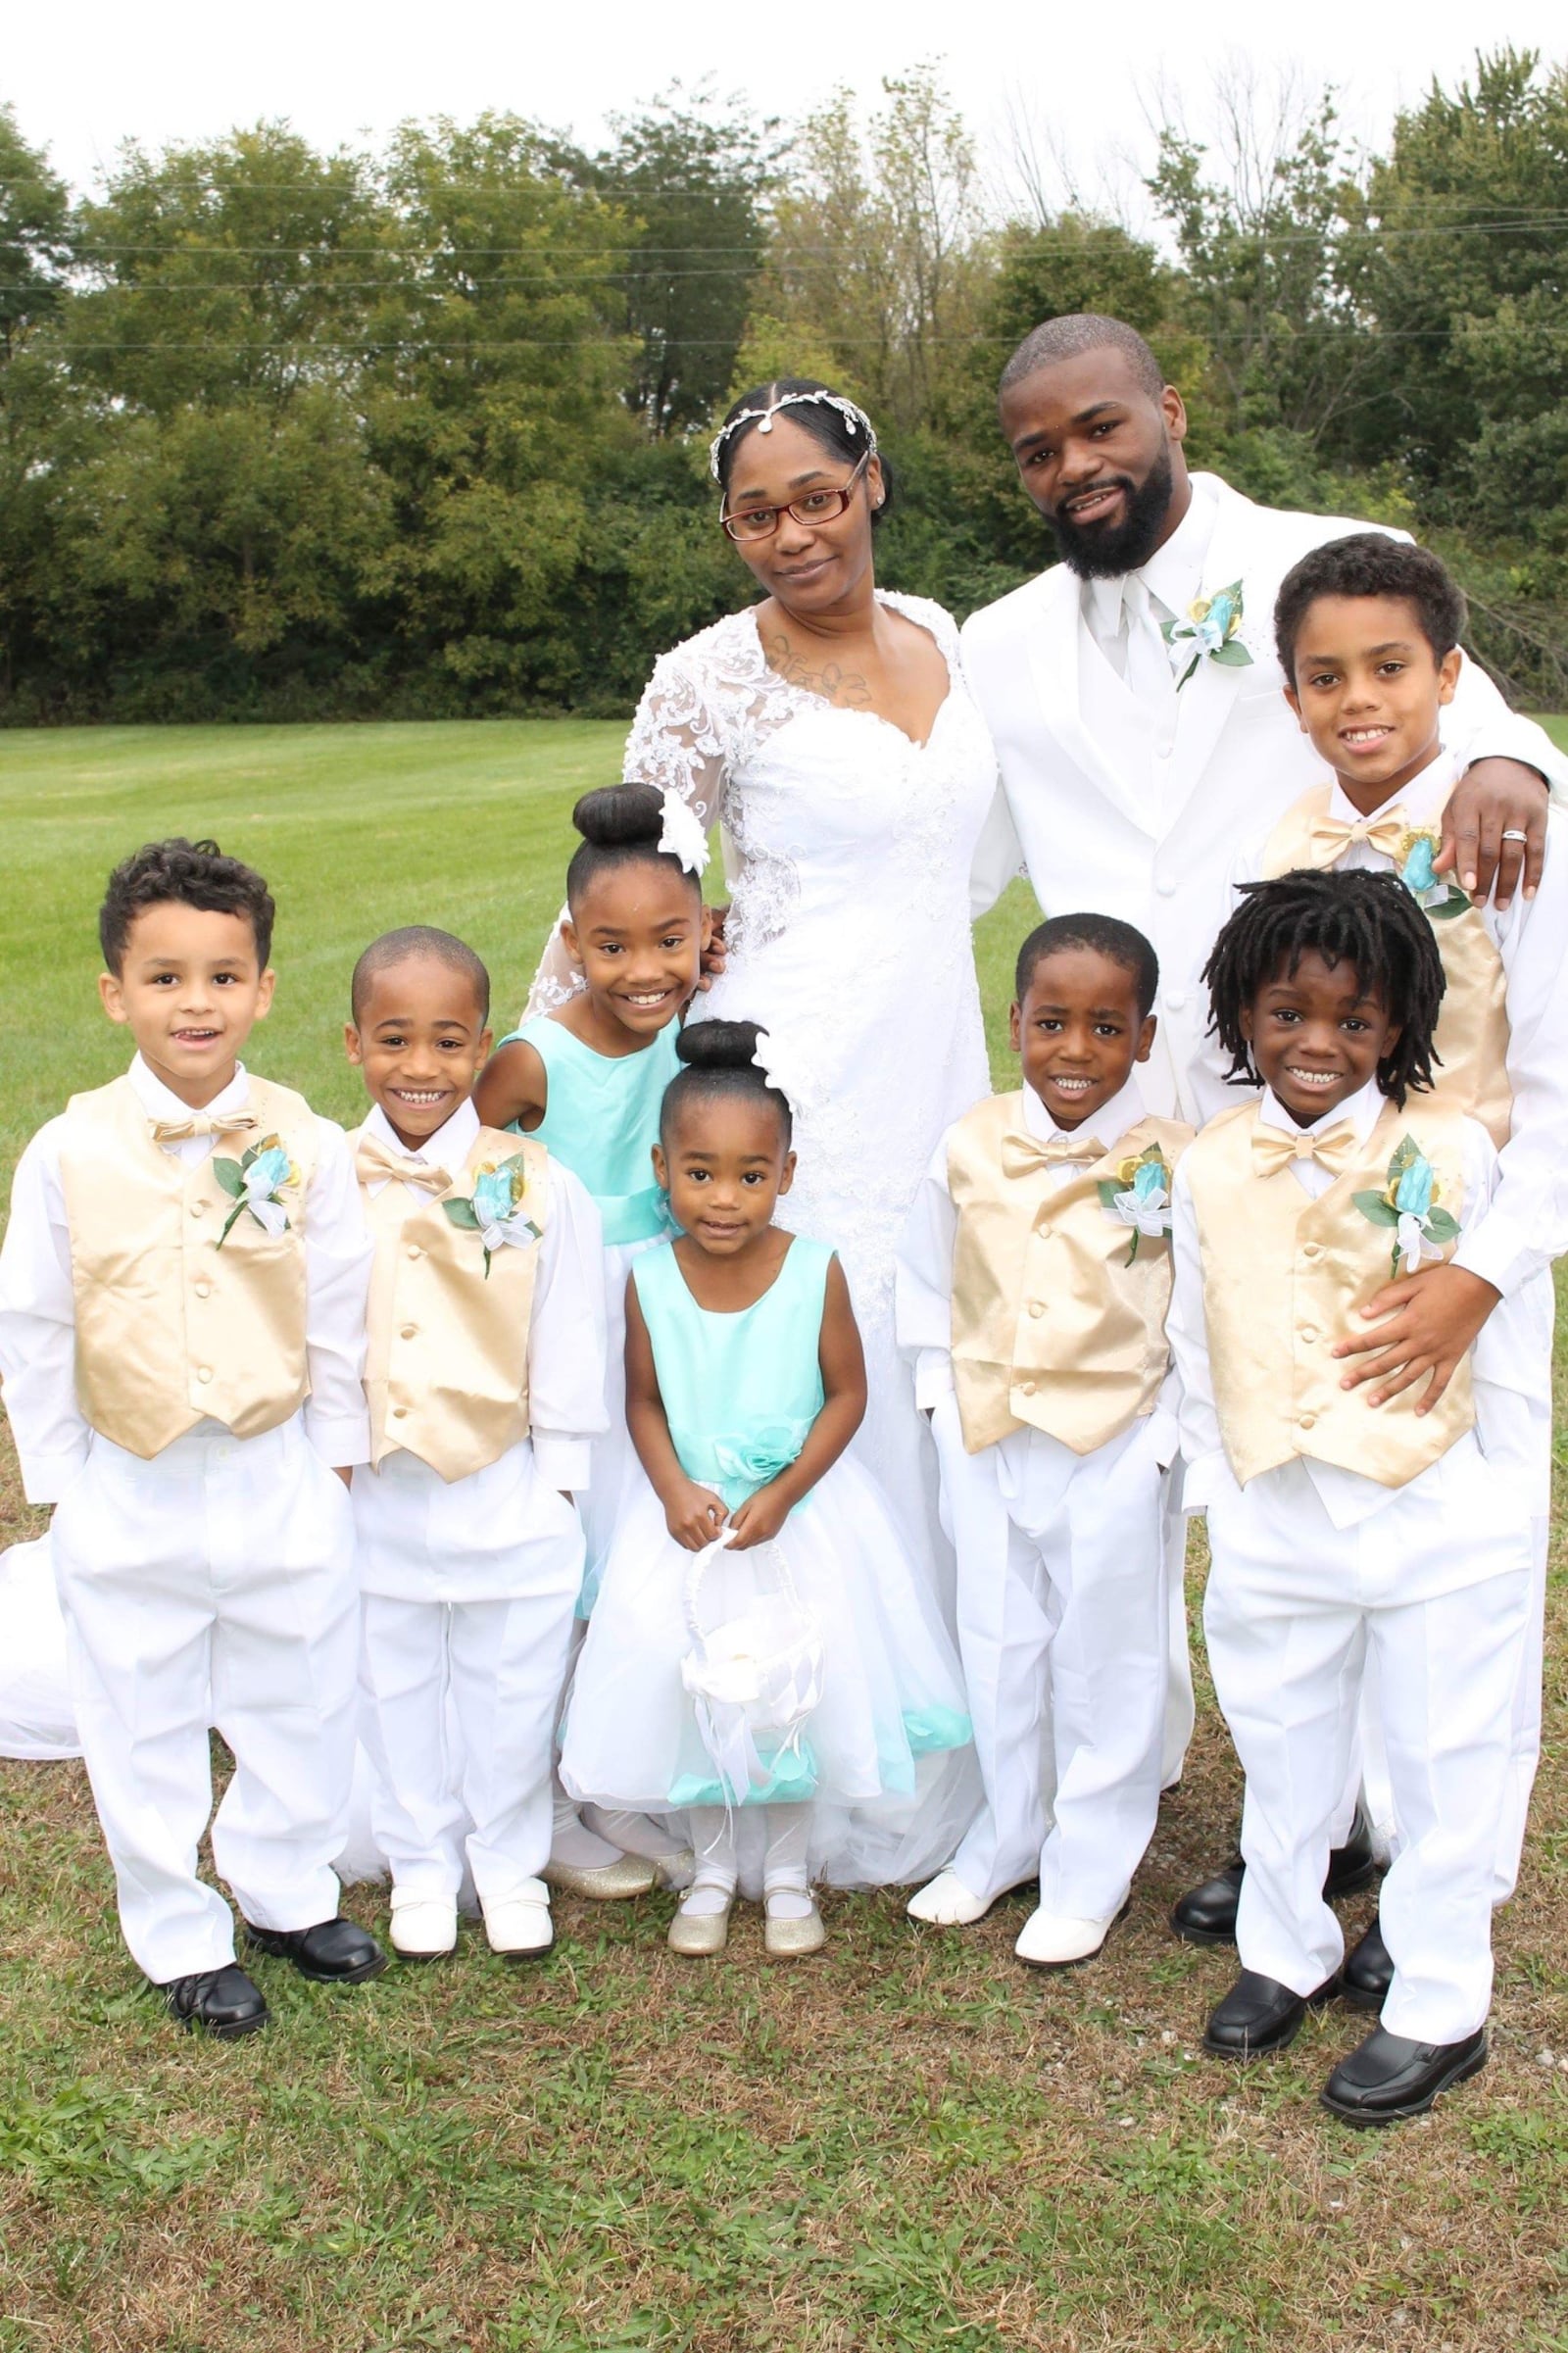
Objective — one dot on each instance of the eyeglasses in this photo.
(817, 506)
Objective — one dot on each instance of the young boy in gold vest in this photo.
(182, 1335)
(1339, 1531)
(1368, 633)
(1032, 1285)
(486, 1381)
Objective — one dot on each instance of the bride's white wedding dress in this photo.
(848, 849)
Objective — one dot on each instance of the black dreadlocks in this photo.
(1369, 921)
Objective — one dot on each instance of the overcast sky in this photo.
(86, 78)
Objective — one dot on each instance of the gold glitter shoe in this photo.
(793, 1939)
(700, 1934)
(607, 1883)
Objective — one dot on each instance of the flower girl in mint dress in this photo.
(762, 1654)
(586, 1079)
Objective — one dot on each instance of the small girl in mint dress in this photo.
(586, 1079)
(744, 1383)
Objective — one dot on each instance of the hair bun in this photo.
(719, 1044)
(618, 817)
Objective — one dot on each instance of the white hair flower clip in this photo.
(683, 836)
(782, 1069)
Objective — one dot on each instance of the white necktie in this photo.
(1148, 670)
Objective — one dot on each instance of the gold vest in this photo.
(447, 1365)
(1283, 1278)
(171, 1329)
(1471, 1062)
(1052, 1327)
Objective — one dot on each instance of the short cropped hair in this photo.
(1104, 935)
(415, 944)
(187, 874)
(1078, 331)
(1369, 563)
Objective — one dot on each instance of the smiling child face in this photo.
(1369, 690)
(190, 989)
(1078, 1031)
(1318, 1036)
(420, 1041)
(638, 931)
(724, 1165)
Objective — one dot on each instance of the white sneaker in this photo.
(1054, 1941)
(945, 1902)
(424, 1927)
(520, 1928)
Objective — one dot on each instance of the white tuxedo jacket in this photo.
(1091, 838)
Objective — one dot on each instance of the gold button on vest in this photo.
(1052, 1329)
(447, 1346)
(146, 1270)
(1280, 1270)
(1470, 1065)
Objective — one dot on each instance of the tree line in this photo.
(422, 433)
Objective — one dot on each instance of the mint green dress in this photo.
(884, 1756)
(602, 1122)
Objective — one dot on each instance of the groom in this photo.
(1128, 794)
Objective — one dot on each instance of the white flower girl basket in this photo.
(756, 1676)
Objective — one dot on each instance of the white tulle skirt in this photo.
(884, 1758)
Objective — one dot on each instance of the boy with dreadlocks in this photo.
(1338, 1532)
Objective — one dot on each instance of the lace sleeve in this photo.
(680, 740)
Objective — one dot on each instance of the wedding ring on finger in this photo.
(1514, 833)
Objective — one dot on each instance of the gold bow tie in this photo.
(1022, 1156)
(202, 1123)
(375, 1161)
(1331, 836)
(1272, 1150)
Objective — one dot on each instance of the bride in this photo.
(830, 732)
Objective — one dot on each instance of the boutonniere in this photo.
(257, 1182)
(1419, 846)
(495, 1209)
(1139, 1195)
(1411, 1203)
(1208, 634)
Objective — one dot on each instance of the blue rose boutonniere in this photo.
(1210, 633)
(497, 1211)
(1410, 1204)
(257, 1184)
(1419, 846)
(1139, 1195)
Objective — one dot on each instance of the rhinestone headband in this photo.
(856, 418)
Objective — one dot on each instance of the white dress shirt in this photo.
(1527, 1225)
(566, 1323)
(1502, 1422)
(1170, 582)
(38, 1308)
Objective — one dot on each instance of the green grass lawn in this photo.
(906, 2144)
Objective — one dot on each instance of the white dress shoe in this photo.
(424, 1927)
(520, 1928)
(945, 1902)
(1056, 1941)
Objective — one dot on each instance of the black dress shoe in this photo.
(1369, 1971)
(333, 1953)
(1259, 2015)
(1388, 2077)
(215, 2001)
(1207, 1914)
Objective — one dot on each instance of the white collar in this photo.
(1364, 1111)
(1422, 799)
(1174, 572)
(449, 1148)
(1110, 1123)
(161, 1102)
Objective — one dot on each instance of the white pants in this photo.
(1064, 1632)
(1293, 1611)
(215, 1585)
(465, 1660)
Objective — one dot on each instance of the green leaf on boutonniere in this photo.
(1457, 903)
(1375, 1206)
(462, 1213)
(1232, 654)
(230, 1177)
(1441, 1226)
(1108, 1190)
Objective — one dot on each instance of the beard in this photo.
(1098, 553)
